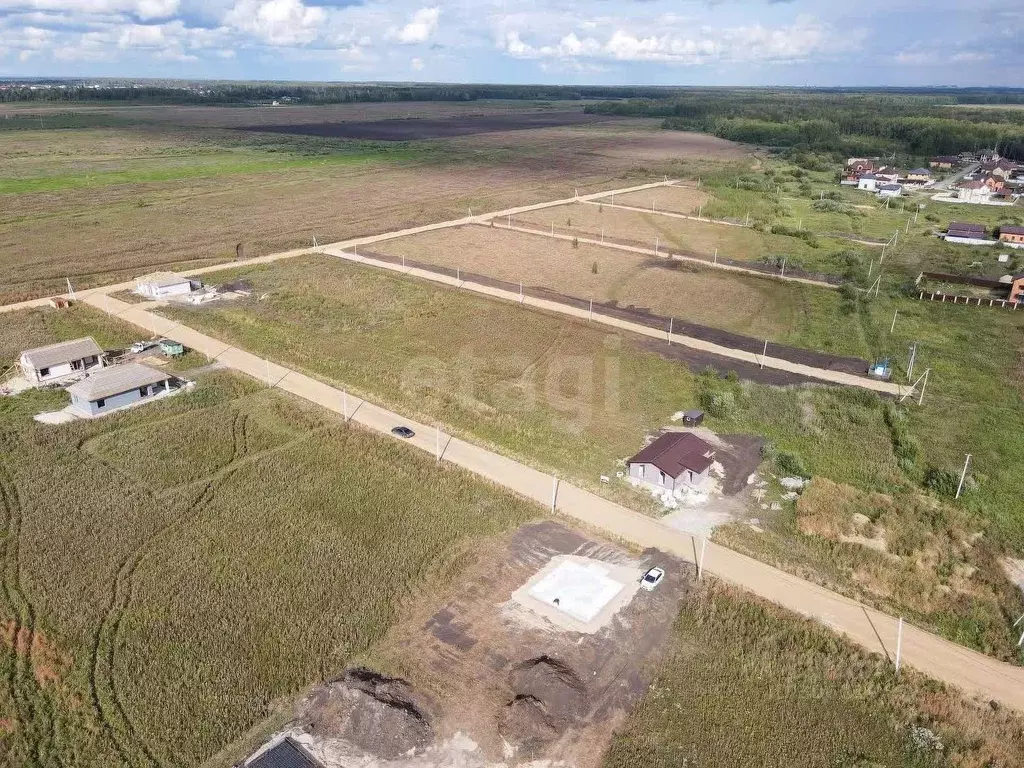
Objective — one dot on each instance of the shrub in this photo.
(791, 464)
(718, 404)
(803, 234)
(941, 481)
(593, 267)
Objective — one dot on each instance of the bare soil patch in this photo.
(674, 199)
(648, 291)
(522, 690)
(434, 128)
(647, 229)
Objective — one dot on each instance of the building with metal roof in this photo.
(287, 753)
(117, 387)
(674, 460)
(56, 362)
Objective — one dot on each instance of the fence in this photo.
(771, 270)
(851, 365)
(978, 302)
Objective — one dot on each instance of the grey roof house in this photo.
(673, 461)
(117, 387)
(54, 362)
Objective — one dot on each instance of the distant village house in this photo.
(55, 362)
(944, 162)
(1013, 236)
(967, 233)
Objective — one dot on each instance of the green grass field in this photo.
(174, 573)
(747, 684)
(577, 400)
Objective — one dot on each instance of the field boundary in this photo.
(752, 268)
(445, 276)
(680, 328)
(971, 671)
(671, 214)
(350, 243)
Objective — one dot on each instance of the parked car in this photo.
(141, 346)
(652, 578)
(402, 432)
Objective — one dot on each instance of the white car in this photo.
(141, 346)
(652, 578)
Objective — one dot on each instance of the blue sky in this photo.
(669, 42)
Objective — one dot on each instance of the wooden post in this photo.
(554, 491)
(899, 645)
(700, 564)
(764, 353)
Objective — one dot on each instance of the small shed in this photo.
(673, 461)
(693, 418)
(54, 362)
(890, 190)
(163, 285)
(117, 387)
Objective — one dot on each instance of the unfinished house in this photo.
(56, 362)
(674, 461)
(165, 285)
(118, 387)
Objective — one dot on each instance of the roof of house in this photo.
(113, 381)
(890, 187)
(946, 159)
(1006, 230)
(63, 352)
(163, 279)
(973, 184)
(867, 176)
(921, 172)
(965, 226)
(285, 754)
(674, 452)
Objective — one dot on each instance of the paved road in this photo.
(974, 673)
(947, 182)
(821, 374)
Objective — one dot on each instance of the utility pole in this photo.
(764, 353)
(963, 476)
(893, 326)
(344, 404)
(670, 321)
(899, 645)
(700, 564)
(913, 357)
(554, 491)
(437, 431)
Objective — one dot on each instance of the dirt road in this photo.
(973, 672)
(352, 243)
(819, 374)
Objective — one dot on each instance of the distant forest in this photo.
(175, 92)
(918, 122)
(875, 122)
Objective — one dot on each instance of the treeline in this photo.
(306, 93)
(873, 122)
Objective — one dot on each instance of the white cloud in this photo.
(277, 22)
(796, 42)
(421, 26)
(417, 64)
(142, 9)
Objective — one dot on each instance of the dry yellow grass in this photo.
(675, 199)
(704, 296)
(587, 219)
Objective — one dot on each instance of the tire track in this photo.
(36, 718)
(115, 717)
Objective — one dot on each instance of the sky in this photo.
(620, 42)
